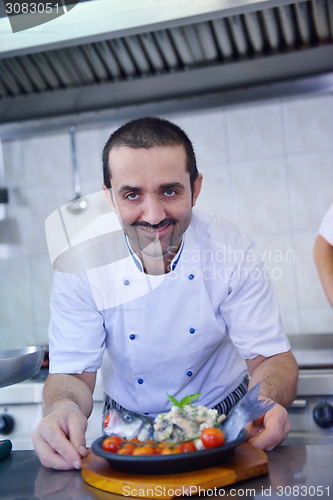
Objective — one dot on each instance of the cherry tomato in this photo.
(112, 443)
(107, 420)
(212, 437)
(188, 446)
(144, 450)
(164, 444)
(176, 449)
(166, 451)
(126, 449)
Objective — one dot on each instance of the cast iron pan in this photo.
(169, 464)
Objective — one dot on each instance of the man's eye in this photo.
(132, 196)
(169, 192)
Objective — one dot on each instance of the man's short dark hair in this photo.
(146, 133)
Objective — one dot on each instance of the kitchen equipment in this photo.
(247, 462)
(169, 464)
(20, 364)
(311, 414)
(78, 204)
(16, 365)
(3, 189)
(5, 448)
(23, 403)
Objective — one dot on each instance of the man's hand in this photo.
(270, 429)
(277, 376)
(59, 439)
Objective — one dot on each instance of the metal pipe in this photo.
(78, 204)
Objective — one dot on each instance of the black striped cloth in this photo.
(223, 408)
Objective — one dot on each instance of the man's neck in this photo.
(158, 265)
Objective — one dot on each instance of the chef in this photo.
(163, 300)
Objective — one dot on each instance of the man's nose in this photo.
(154, 211)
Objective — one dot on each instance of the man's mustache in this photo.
(163, 223)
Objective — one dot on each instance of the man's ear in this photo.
(196, 189)
(108, 195)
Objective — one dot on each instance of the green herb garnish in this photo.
(185, 401)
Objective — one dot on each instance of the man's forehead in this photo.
(168, 163)
(125, 151)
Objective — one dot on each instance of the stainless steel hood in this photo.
(104, 54)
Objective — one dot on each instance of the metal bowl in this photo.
(20, 364)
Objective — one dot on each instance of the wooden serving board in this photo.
(247, 462)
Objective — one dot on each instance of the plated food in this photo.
(198, 427)
(210, 437)
(169, 463)
(185, 438)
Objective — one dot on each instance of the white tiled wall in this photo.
(267, 166)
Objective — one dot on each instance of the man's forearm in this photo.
(323, 257)
(63, 389)
(277, 375)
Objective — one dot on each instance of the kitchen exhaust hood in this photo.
(106, 54)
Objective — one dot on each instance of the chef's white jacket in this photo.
(181, 333)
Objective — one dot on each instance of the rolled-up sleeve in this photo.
(76, 329)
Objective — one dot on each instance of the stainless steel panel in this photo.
(163, 41)
(287, 26)
(108, 58)
(213, 38)
(81, 66)
(8, 80)
(253, 28)
(321, 19)
(193, 43)
(3, 90)
(33, 73)
(303, 21)
(271, 28)
(95, 62)
(206, 41)
(57, 66)
(123, 58)
(64, 66)
(182, 46)
(222, 37)
(330, 16)
(315, 382)
(45, 69)
(20, 76)
(152, 51)
(238, 33)
(217, 85)
(101, 19)
(135, 48)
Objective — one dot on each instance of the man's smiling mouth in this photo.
(157, 230)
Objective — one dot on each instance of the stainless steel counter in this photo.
(304, 472)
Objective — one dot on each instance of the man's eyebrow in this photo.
(129, 188)
(162, 187)
(172, 185)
